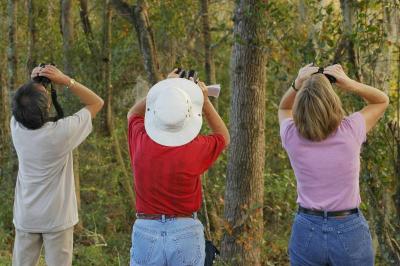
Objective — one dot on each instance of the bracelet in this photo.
(72, 82)
(293, 86)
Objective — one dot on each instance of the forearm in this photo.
(215, 122)
(370, 94)
(85, 95)
(92, 101)
(288, 99)
(139, 108)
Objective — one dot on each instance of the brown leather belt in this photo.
(165, 216)
(328, 214)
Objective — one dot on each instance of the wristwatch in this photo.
(293, 86)
(72, 82)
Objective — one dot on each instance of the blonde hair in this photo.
(317, 109)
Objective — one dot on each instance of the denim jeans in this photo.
(175, 242)
(341, 241)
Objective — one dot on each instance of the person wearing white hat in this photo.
(168, 156)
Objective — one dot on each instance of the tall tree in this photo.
(32, 30)
(137, 15)
(87, 29)
(98, 57)
(209, 66)
(126, 177)
(12, 41)
(68, 36)
(346, 44)
(5, 122)
(387, 70)
(208, 51)
(245, 183)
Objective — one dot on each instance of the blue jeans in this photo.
(341, 241)
(176, 241)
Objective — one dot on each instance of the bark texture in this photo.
(87, 29)
(346, 45)
(5, 143)
(245, 184)
(137, 15)
(208, 52)
(12, 42)
(32, 32)
(67, 34)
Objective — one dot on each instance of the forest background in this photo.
(254, 49)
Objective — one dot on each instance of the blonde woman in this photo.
(324, 150)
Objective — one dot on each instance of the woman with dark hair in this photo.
(45, 208)
(324, 150)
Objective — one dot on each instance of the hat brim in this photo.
(192, 125)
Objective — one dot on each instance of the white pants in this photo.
(57, 248)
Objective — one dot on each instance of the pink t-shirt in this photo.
(327, 172)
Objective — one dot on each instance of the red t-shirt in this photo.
(167, 179)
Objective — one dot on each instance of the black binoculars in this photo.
(43, 80)
(331, 78)
(187, 74)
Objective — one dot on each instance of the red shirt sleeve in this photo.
(209, 148)
(135, 130)
(135, 126)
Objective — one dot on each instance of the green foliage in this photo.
(294, 38)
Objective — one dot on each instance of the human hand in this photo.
(305, 73)
(173, 74)
(342, 80)
(204, 89)
(54, 74)
(35, 72)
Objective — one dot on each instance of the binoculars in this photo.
(46, 82)
(187, 74)
(331, 78)
(43, 80)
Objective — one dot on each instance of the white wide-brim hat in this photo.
(174, 112)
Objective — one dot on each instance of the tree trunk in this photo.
(396, 136)
(209, 67)
(5, 147)
(147, 43)
(245, 184)
(12, 41)
(126, 177)
(67, 35)
(346, 44)
(32, 50)
(138, 17)
(97, 55)
(107, 64)
(87, 29)
(208, 52)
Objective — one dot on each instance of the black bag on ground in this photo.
(211, 252)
